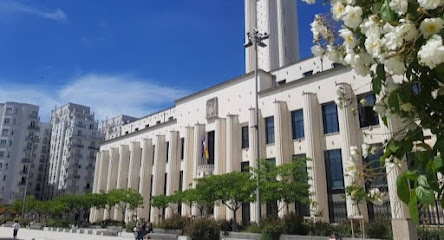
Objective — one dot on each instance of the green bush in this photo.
(379, 229)
(252, 228)
(294, 224)
(430, 234)
(225, 225)
(176, 221)
(23, 222)
(272, 228)
(129, 227)
(203, 229)
(107, 223)
(57, 223)
(320, 229)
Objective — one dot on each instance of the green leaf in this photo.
(413, 208)
(387, 13)
(422, 181)
(403, 189)
(438, 163)
(425, 195)
(393, 100)
(439, 145)
(394, 146)
(411, 175)
(377, 84)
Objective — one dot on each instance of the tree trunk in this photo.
(235, 220)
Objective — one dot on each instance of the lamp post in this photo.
(33, 139)
(256, 39)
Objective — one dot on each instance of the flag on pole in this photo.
(205, 155)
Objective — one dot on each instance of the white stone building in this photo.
(112, 128)
(75, 140)
(21, 157)
(162, 153)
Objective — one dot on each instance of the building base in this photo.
(404, 229)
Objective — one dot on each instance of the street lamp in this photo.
(256, 39)
(33, 138)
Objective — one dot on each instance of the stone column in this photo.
(188, 165)
(220, 160)
(93, 211)
(133, 173)
(158, 175)
(318, 182)
(173, 168)
(112, 178)
(349, 131)
(122, 177)
(102, 177)
(145, 177)
(253, 135)
(234, 149)
(283, 138)
(403, 226)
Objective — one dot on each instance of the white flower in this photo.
(373, 46)
(349, 38)
(376, 196)
(338, 10)
(431, 26)
(319, 29)
(355, 153)
(430, 4)
(380, 108)
(363, 102)
(393, 37)
(395, 65)
(352, 16)
(361, 69)
(407, 107)
(408, 30)
(399, 6)
(365, 150)
(351, 169)
(431, 54)
(370, 27)
(333, 54)
(317, 50)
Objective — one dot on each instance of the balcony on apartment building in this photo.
(93, 147)
(74, 165)
(34, 128)
(34, 116)
(75, 155)
(77, 145)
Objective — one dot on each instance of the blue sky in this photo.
(132, 57)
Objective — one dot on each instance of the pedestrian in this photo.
(141, 229)
(335, 236)
(149, 228)
(16, 227)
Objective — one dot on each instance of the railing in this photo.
(34, 116)
(80, 125)
(73, 165)
(26, 160)
(78, 145)
(338, 212)
(33, 127)
(432, 215)
(379, 212)
(75, 155)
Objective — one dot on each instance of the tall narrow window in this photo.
(269, 130)
(245, 137)
(297, 124)
(154, 153)
(182, 148)
(167, 150)
(333, 163)
(211, 147)
(367, 117)
(330, 118)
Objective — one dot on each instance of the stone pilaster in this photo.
(122, 176)
(102, 177)
(133, 173)
(199, 131)
(112, 177)
(188, 165)
(318, 182)
(93, 211)
(233, 147)
(284, 146)
(220, 160)
(145, 177)
(158, 175)
(254, 135)
(349, 130)
(173, 168)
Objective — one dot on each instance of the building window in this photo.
(7, 121)
(367, 117)
(3, 142)
(245, 166)
(5, 132)
(308, 73)
(167, 150)
(373, 161)
(333, 163)
(297, 124)
(154, 153)
(182, 148)
(269, 130)
(330, 118)
(211, 147)
(245, 137)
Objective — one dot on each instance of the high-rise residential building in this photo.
(75, 140)
(112, 127)
(278, 19)
(24, 143)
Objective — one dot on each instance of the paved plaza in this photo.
(27, 234)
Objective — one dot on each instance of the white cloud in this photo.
(14, 6)
(107, 95)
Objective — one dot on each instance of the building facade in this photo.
(112, 128)
(23, 151)
(75, 140)
(298, 116)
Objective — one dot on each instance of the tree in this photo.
(124, 199)
(287, 183)
(399, 45)
(230, 189)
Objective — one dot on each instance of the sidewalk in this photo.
(27, 234)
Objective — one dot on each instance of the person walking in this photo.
(16, 227)
(141, 229)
